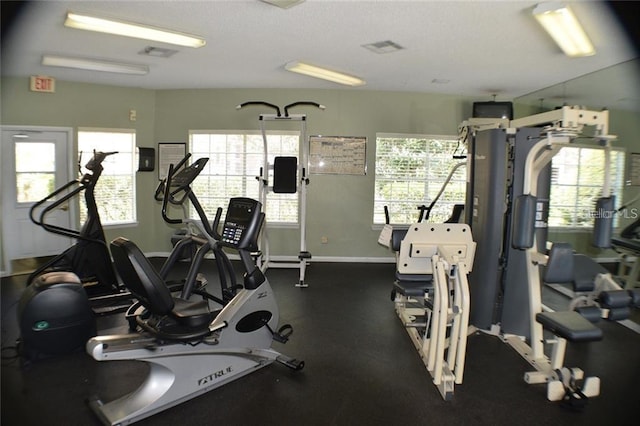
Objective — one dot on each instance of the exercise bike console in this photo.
(242, 223)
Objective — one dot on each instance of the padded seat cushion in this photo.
(416, 278)
(191, 313)
(560, 266)
(397, 235)
(585, 272)
(413, 288)
(569, 325)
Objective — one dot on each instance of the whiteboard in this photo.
(340, 155)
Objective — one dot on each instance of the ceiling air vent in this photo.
(158, 52)
(386, 46)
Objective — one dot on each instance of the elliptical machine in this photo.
(56, 310)
(89, 257)
(201, 238)
(191, 348)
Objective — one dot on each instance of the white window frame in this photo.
(111, 165)
(250, 183)
(424, 181)
(581, 211)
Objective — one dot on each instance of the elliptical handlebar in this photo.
(165, 198)
(180, 181)
(85, 182)
(95, 162)
(160, 189)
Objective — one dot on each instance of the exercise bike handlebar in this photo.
(216, 224)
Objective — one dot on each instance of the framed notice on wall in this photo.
(169, 153)
(338, 155)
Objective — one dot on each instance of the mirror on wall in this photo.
(614, 88)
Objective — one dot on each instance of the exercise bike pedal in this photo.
(283, 333)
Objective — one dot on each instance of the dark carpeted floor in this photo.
(361, 368)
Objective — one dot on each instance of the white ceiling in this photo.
(480, 47)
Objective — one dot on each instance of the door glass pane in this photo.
(35, 170)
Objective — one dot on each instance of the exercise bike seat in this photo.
(144, 282)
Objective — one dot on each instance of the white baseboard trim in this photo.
(317, 259)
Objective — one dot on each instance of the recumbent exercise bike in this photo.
(192, 349)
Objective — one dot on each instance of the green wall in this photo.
(85, 105)
(339, 207)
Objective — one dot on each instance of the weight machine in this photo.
(431, 294)
(508, 195)
(290, 176)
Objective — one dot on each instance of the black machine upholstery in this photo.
(140, 277)
(145, 283)
(569, 325)
(586, 270)
(560, 265)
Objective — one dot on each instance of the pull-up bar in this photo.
(277, 108)
(285, 181)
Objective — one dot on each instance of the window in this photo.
(577, 176)
(115, 191)
(410, 171)
(235, 160)
(35, 170)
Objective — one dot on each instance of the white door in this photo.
(34, 163)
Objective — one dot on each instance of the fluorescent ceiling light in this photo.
(323, 73)
(94, 65)
(560, 22)
(129, 29)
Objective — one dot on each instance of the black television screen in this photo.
(493, 109)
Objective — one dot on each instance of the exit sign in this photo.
(41, 83)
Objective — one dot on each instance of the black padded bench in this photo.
(569, 325)
(410, 285)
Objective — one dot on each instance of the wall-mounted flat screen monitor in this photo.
(493, 109)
